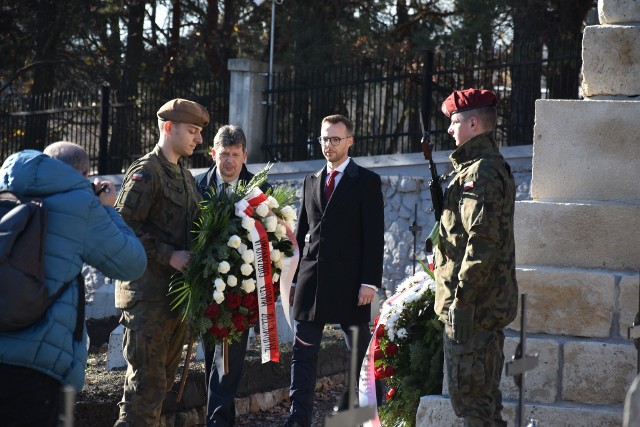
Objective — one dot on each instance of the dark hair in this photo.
(339, 118)
(229, 135)
(487, 115)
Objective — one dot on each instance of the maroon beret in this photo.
(468, 99)
(184, 111)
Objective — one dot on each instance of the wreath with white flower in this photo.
(408, 353)
(218, 292)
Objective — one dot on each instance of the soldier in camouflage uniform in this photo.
(476, 289)
(159, 201)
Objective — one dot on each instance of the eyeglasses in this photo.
(334, 140)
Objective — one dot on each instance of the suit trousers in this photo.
(304, 364)
(221, 388)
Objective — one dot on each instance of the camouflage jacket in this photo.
(475, 257)
(159, 200)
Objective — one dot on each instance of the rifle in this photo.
(435, 186)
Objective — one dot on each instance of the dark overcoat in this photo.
(341, 245)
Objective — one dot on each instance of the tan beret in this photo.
(184, 111)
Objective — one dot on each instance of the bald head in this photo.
(71, 154)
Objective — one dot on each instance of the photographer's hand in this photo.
(105, 192)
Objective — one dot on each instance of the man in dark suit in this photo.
(340, 234)
(229, 154)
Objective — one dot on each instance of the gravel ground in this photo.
(325, 400)
(103, 389)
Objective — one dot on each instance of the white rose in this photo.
(278, 264)
(234, 241)
(275, 255)
(248, 223)
(289, 213)
(281, 231)
(262, 210)
(270, 224)
(242, 248)
(246, 269)
(232, 280)
(224, 267)
(248, 285)
(291, 224)
(272, 202)
(275, 277)
(248, 256)
(218, 297)
(270, 246)
(219, 284)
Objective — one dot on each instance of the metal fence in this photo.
(382, 98)
(112, 130)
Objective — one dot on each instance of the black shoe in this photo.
(292, 423)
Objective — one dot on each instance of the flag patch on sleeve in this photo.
(136, 177)
(468, 185)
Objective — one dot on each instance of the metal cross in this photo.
(353, 415)
(522, 362)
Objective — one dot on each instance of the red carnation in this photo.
(212, 311)
(390, 393)
(380, 331)
(238, 321)
(377, 353)
(250, 301)
(218, 331)
(233, 300)
(391, 349)
(253, 317)
(380, 373)
(389, 371)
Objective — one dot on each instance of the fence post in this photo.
(103, 152)
(247, 84)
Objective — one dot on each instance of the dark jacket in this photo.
(204, 179)
(341, 245)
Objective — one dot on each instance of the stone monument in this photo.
(578, 240)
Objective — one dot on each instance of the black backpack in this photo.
(23, 294)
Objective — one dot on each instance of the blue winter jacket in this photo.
(79, 230)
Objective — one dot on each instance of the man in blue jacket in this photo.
(35, 362)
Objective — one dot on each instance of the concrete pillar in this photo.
(246, 102)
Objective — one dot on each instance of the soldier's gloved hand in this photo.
(461, 320)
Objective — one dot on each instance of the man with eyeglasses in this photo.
(340, 234)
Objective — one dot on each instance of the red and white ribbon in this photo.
(262, 264)
(288, 270)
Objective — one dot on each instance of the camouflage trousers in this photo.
(473, 376)
(153, 340)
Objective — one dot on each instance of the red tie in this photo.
(331, 184)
